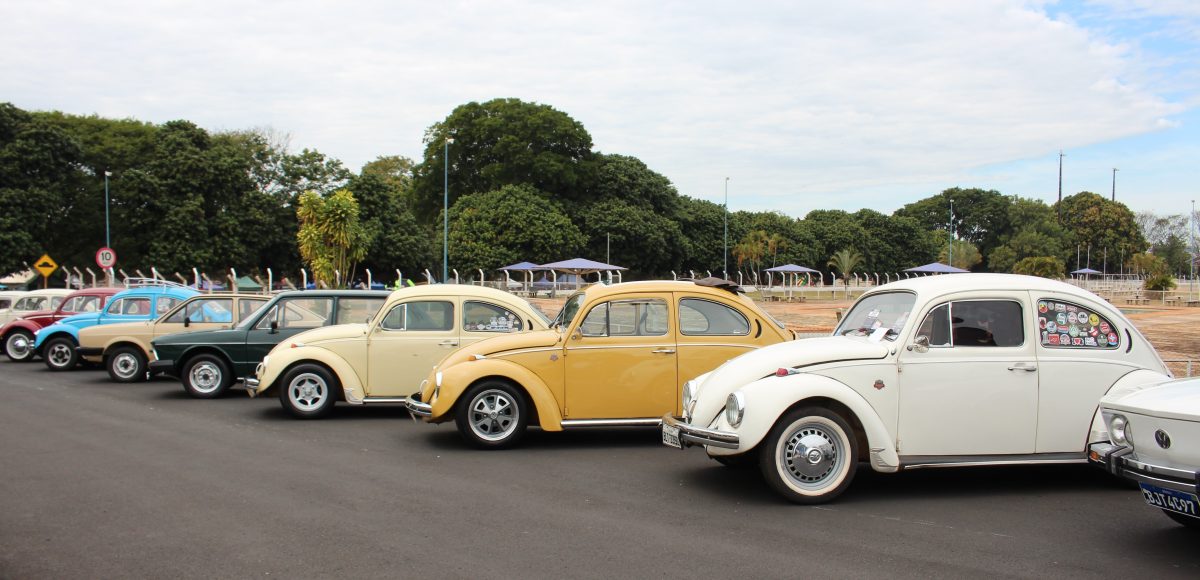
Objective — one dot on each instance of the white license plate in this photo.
(1171, 500)
(671, 436)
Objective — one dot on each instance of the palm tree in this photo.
(775, 242)
(845, 261)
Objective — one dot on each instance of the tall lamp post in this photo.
(1192, 263)
(446, 210)
(107, 239)
(725, 268)
(950, 250)
(1114, 192)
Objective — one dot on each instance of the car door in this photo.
(412, 337)
(974, 389)
(710, 333)
(289, 316)
(621, 359)
(199, 314)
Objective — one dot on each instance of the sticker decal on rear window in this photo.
(1072, 326)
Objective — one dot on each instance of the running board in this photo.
(385, 400)
(930, 461)
(580, 423)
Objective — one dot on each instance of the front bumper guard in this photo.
(418, 408)
(692, 435)
(1118, 460)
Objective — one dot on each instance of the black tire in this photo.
(492, 415)
(309, 391)
(18, 345)
(206, 376)
(126, 364)
(1185, 521)
(59, 354)
(810, 455)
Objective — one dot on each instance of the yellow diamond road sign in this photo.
(45, 265)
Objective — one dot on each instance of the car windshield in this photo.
(881, 316)
(568, 312)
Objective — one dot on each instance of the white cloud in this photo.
(857, 104)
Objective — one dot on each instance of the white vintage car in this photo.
(1155, 441)
(962, 369)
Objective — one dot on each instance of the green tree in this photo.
(629, 180)
(980, 216)
(966, 255)
(1045, 266)
(330, 237)
(845, 262)
(703, 227)
(648, 243)
(1174, 252)
(751, 249)
(1093, 220)
(503, 142)
(395, 240)
(515, 223)
(1035, 232)
(893, 243)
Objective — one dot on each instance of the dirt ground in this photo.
(1173, 330)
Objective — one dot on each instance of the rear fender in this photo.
(456, 379)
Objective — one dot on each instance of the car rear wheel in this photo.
(206, 376)
(1190, 522)
(492, 415)
(308, 392)
(810, 455)
(126, 364)
(59, 354)
(18, 345)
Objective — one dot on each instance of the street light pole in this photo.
(107, 239)
(725, 268)
(950, 251)
(1114, 192)
(446, 209)
(1192, 263)
(1060, 157)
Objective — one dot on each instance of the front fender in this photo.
(281, 359)
(767, 399)
(1134, 381)
(55, 330)
(456, 379)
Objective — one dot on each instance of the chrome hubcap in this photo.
(307, 391)
(205, 377)
(59, 355)
(493, 415)
(125, 365)
(18, 346)
(812, 455)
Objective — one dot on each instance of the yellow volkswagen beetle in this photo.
(615, 356)
(385, 358)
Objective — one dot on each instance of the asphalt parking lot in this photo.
(103, 480)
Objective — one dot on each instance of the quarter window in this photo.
(486, 317)
(637, 317)
(1067, 325)
(704, 317)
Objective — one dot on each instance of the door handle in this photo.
(1023, 367)
(448, 343)
(664, 351)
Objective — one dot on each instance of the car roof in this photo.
(319, 293)
(50, 292)
(98, 291)
(962, 282)
(468, 290)
(603, 290)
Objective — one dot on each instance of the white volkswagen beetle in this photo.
(1155, 441)
(962, 369)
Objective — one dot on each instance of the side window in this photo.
(485, 317)
(395, 318)
(264, 323)
(115, 306)
(704, 317)
(215, 310)
(986, 323)
(164, 303)
(1067, 325)
(305, 312)
(5, 302)
(936, 326)
(248, 306)
(637, 317)
(71, 305)
(352, 310)
(55, 301)
(136, 306)
(86, 303)
(432, 315)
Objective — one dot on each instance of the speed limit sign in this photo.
(106, 258)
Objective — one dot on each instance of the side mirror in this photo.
(577, 335)
(920, 344)
(187, 322)
(274, 326)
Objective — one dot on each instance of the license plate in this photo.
(671, 436)
(1171, 500)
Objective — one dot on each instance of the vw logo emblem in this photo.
(1162, 439)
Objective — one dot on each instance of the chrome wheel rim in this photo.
(59, 354)
(307, 392)
(17, 346)
(493, 415)
(811, 455)
(125, 365)
(205, 377)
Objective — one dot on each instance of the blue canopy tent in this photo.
(581, 267)
(525, 268)
(936, 268)
(1086, 271)
(792, 269)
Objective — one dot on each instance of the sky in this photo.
(802, 105)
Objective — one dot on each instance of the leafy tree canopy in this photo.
(515, 223)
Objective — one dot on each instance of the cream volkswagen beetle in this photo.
(961, 369)
(384, 359)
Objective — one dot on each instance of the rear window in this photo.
(1067, 325)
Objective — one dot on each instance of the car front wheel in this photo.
(206, 376)
(492, 415)
(18, 346)
(810, 455)
(308, 392)
(126, 364)
(59, 354)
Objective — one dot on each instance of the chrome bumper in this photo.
(417, 408)
(693, 435)
(1117, 460)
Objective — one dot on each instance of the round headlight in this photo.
(437, 379)
(1118, 429)
(735, 408)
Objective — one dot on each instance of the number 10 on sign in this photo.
(106, 258)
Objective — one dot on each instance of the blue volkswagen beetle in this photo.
(144, 300)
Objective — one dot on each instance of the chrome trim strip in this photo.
(701, 436)
(1148, 468)
(931, 461)
(611, 423)
(384, 400)
(608, 346)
